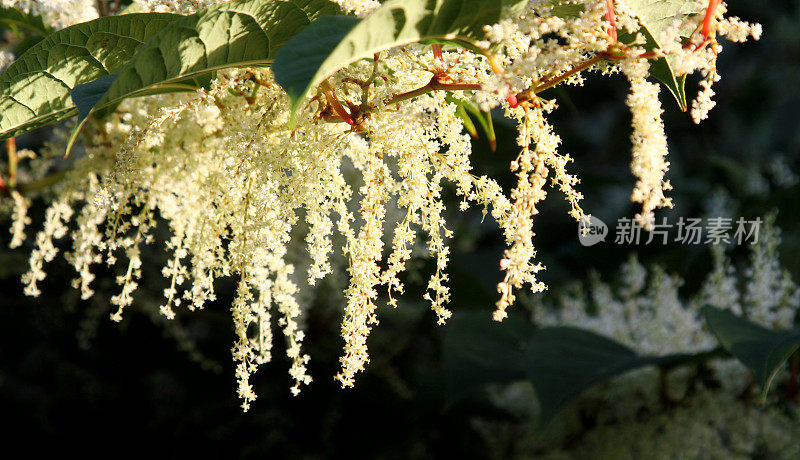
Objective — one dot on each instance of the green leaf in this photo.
(466, 121)
(87, 95)
(478, 351)
(485, 120)
(333, 43)
(463, 107)
(562, 362)
(762, 350)
(16, 19)
(34, 90)
(184, 55)
(27, 43)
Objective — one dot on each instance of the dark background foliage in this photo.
(72, 379)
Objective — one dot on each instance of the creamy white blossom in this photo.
(235, 184)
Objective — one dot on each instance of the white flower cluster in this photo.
(649, 143)
(555, 41)
(358, 7)
(235, 183)
(710, 424)
(6, 58)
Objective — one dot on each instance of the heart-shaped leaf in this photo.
(562, 362)
(34, 90)
(762, 350)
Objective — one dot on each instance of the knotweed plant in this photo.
(356, 163)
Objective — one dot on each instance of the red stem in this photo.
(710, 13)
(612, 23)
(437, 52)
(337, 106)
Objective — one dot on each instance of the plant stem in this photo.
(434, 85)
(335, 104)
(566, 75)
(529, 93)
(612, 23)
(368, 83)
(791, 386)
(437, 52)
(13, 160)
(708, 19)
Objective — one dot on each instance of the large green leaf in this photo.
(184, 55)
(332, 43)
(34, 90)
(762, 350)
(562, 362)
(16, 19)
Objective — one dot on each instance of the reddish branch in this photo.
(612, 23)
(335, 104)
(434, 85)
(437, 53)
(440, 81)
(515, 99)
(709, 18)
